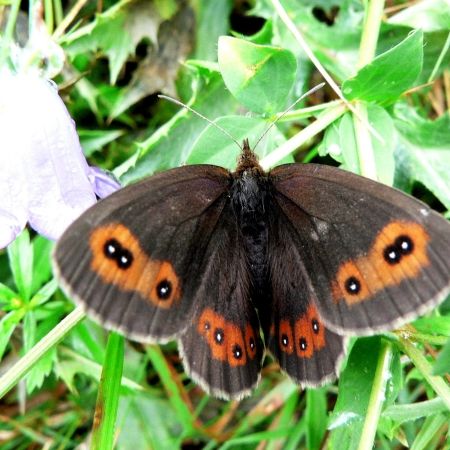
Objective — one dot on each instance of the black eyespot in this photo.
(315, 326)
(303, 344)
(284, 340)
(219, 336)
(111, 248)
(352, 285)
(404, 244)
(252, 343)
(207, 326)
(392, 254)
(237, 351)
(124, 259)
(164, 289)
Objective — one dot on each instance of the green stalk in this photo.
(377, 396)
(438, 384)
(290, 146)
(9, 31)
(21, 367)
(367, 51)
(371, 30)
(103, 430)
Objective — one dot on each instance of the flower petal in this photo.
(102, 183)
(10, 227)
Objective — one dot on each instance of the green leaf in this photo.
(176, 399)
(442, 364)
(316, 417)
(20, 254)
(94, 140)
(42, 267)
(133, 420)
(44, 293)
(259, 76)
(213, 147)
(171, 145)
(29, 331)
(427, 15)
(433, 325)
(355, 386)
(423, 152)
(103, 430)
(414, 411)
(340, 143)
(117, 32)
(6, 295)
(7, 325)
(212, 22)
(428, 432)
(389, 74)
(40, 371)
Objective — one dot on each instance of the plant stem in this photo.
(369, 38)
(9, 31)
(438, 384)
(367, 50)
(322, 121)
(108, 395)
(21, 367)
(377, 396)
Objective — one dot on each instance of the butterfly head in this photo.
(248, 162)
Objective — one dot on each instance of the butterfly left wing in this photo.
(221, 348)
(308, 351)
(132, 261)
(373, 256)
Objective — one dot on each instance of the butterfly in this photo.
(234, 264)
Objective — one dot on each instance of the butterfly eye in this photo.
(405, 244)
(315, 326)
(219, 336)
(352, 285)
(237, 351)
(164, 289)
(125, 259)
(402, 246)
(303, 344)
(114, 250)
(111, 248)
(392, 254)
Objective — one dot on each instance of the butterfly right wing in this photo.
(305, 348)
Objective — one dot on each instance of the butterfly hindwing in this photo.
(134, 260)
(305, 348)
(374, 257)
(222, 348)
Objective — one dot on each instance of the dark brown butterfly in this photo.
(293, 260)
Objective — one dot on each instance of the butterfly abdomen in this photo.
(250, 194)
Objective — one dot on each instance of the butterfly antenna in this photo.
(274, 121)
(183, 105)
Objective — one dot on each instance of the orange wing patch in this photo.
(118, 258)
(306, 336)
(399, 252)
(226, 340)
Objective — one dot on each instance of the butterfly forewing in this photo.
(134, 260)
(374, 256)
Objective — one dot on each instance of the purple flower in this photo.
(44, 177)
